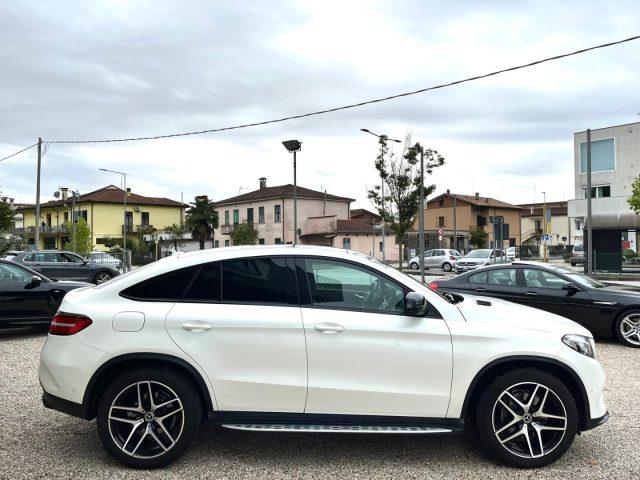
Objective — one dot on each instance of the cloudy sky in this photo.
(113, 69)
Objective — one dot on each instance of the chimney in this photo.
(65, 193)
(202, 198)
(448, 191)
(128, 190)
(486, 200)
(263, 183)
(477, 195)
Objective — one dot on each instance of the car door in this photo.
(365, 356)
(47, 263)
(74, 267)
(496, 282)
(438, 258)
(19, 300)
(240, 321)
(428, 258)
(543, 289)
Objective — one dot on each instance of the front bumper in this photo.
(465, 268)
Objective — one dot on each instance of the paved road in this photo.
(40, 443)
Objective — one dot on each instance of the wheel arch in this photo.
(502, 365)
(117, 365)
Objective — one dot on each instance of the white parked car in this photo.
(478, 258)
(511, 254)
(444, 258)
(313, 339)
(104, 258)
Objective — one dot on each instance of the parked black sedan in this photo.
(604, 310)
(29, 298)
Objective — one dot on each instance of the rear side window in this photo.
(167, 287)
(260, 280)
(206, 286)
(478, 278)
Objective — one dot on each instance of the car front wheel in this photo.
(627, 328)
(102, 277)
(146, 418)
(446, 267)
(527, 418)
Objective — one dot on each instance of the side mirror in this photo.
(34, 282)
(570, 287)
(415, 305)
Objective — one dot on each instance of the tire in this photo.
(446, 266)
(142, 439)
(573, 264)
(627, 328)
(414, 266)
(101, 277)
(493, 419)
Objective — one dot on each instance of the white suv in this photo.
(314, 339)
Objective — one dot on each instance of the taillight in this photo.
(452, 257)
(65, 324)
(433, 286)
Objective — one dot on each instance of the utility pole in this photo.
(589, 259)
(295, 201)
(421, 217)
(545, 257)
(37, 232)
(384, 243)
(455, 225)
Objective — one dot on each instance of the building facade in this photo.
(104, 212)
(560, 228)
(615, 163)
(456, 216)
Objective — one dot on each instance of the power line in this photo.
(360, 104)
(18, 152)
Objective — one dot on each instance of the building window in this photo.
(441, 221)
(602, 156)
(236, 216)
(441, 202)
(599, 191)
(83, 214)
(250, 216)
(382, 246)
(226, 217)
(278, 241)
(144, 219)
(276, 213)
(65, 217)
(346, 243)
(260, 214)
(226, 243)
(216, 244)
(261, 241)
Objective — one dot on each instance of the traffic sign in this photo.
(439, 238)
(440, 232)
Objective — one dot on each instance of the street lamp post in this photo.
(294, 146)
(545, 227)
(124, 223)
(385, 137)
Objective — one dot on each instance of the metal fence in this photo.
(120, 260)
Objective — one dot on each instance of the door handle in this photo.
(328, 327)
(196, 326)
(480, 289)
(532, 294)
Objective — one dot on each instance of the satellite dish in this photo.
(57, 194)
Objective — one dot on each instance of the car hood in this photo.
(71, 284)
(500, 312)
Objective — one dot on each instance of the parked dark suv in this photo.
(64, 265)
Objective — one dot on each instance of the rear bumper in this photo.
(65, 406)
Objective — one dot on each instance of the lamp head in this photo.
(292, 145)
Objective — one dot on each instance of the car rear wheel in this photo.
(628, 328)
(146, 418)
(446, 266)
(527, 418)
(102, 277)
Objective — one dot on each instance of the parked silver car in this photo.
(577, 255)
(444, 258)
(480, 257)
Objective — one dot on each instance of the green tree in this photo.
(175, 234)
(401, 176)
(634, 199)
(244, 234)
(201, 219)
(82, 237)
(6, 218)
(477, 238)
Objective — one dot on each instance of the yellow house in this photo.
(104, 212)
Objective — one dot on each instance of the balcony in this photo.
(226, 229)
(137, 228)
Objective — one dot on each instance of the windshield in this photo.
(584, 280)
(479, 253)
(578, 248)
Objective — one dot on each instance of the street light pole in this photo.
(545, 257)
(37, 231)
(294, 146)
(589, 259)
(124, 222)
(421, 217)
(385, 137)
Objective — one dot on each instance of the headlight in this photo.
(580, 344)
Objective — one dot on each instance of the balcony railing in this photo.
(226, 229)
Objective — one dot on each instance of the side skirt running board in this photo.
(335, 428)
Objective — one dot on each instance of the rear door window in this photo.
(206, 286)
(167, 287)
(503, 276)
(478, 278)
(259, 280)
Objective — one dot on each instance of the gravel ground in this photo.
(40, 443)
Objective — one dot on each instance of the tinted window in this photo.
(503, 276)
(41, 257)
(338, 284)
(542, 279)
(164, 288)
(13, 274)
(259, 280)
(478, 278)
(206, 286)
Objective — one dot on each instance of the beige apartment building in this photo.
(560, 227)
(450, 212)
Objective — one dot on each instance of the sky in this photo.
(75, 70)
